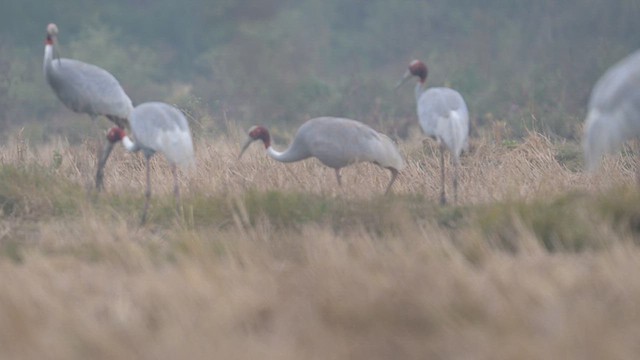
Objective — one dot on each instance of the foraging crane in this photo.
(443, 115)
(157, 127)
(85, 88)
(336, 142)
(614, 110)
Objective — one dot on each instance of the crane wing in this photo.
(614, 110)
(159, 127)
(617, 85)
(338, 142)
(87, 88)
(383, 151)
(443, 114)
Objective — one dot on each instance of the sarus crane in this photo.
(336, 142)
(614, 110)
(158, 127)
(443, 115)
(86, 88)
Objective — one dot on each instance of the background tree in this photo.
(281, 62)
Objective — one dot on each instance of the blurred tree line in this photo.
(280, 62)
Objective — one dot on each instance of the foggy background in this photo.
(531, 64)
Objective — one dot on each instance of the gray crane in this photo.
(443, 115)
(614, 110)
(158, 127)
(86, 88)
(336, 142)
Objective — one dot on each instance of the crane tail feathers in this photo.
(459, 134)
(390, 156)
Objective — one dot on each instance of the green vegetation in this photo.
(36, 193)
(568, 222)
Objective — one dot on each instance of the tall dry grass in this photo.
(490, 172)
(81, 279)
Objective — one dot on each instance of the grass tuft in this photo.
(35, 192)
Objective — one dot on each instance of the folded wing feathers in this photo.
(384, 151)
(178, 147)
(163, 128)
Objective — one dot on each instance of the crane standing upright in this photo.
(158, 127)
(443, 115)
(336, 142)
(614, 110)
(86, 88)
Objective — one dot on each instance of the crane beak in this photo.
(245, 146)
(407, 76)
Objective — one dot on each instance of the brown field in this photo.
(270, 261)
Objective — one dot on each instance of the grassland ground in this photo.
(273, 261)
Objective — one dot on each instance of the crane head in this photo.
(115, 134)
(52, 33)
(256, 133)
(419, 69)
(416, 68)
(52, 29)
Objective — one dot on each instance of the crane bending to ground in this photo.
(86, 88)
(158, 127)
(614, 110)
(336, 142)
(443, 115)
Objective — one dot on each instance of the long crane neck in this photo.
(296, 151)
(48, 55)
(50, 52)
(293, 153)
(421, 86)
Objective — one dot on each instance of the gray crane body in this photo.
(159, 127)
(339, 142)
(86, 88)
(614, 110)
(443, 115)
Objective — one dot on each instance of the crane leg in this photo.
(176, 188)
(394, 174)
(443, 199)
(147, 193)
(103, 156)
(455, 181)
(338, 176)
(637, 172)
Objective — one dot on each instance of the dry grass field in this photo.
(538, 260)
